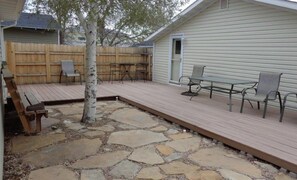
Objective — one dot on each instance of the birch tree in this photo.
(87, 14)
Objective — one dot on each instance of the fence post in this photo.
(48, 64)
(117, 59)
(11, 52)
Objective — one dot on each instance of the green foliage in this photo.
(118, 21)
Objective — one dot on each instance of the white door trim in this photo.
(181, 37)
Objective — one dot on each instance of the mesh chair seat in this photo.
(72, 74)
(67, 69)
(256, 97)
(268, 85)
(198, 71)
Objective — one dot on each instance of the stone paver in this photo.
(47, 122)
(55, 172)
(174, 156)
(165, 150)
(73, 126)
(93, 134)
(159, 129)
(59, 153)
(231, 175)
(150, 173)
(21, 144)
(218, 158)
(172, 131)
(105, 128)
(184, 145)
(177, 167)
(101, 160)
(133, 117)
(266, 166)
(75, 118)
(160, 150)
(126, 126)
(71, 110)
(93, 174)
(204, 175)
(180, 136)
(282, 176)
(125, 169)
(135, 138)
(114, 106)
(146, 155)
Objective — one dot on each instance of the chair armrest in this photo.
(288, 94)
(270, 93)
(244, 91)
(182, 77)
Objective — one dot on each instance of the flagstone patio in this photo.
(125, 143)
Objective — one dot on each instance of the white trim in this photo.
(171, 38)
(280, 3)
(184, 12)
(153, 67)
(2, 45)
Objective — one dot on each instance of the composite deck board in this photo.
(278, 140)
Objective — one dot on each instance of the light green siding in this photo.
(31, 36)
(161, 61)
(236, 42)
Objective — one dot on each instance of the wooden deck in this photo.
(264, 138)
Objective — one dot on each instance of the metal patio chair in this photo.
(290, 104)
(267, 89)
(187, 80)
(67, 70)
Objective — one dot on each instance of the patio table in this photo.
(222, 80)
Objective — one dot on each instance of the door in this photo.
(176, 59)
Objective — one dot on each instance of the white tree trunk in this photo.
(91, 74)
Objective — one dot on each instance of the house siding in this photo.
(31, 36)
(239, 41)
(161, 61)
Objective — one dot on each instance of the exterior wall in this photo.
(1, 112)
(31, 36)
(161, 60)
(236, 42)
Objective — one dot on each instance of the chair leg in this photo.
(60, 76)
(242, 103)
(80, 79)
(280, 102)
(265, 108)
(282, 114)
(258, 105)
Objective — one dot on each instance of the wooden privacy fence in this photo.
(41, 63)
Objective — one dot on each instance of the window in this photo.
(177, 46)
(224, 4)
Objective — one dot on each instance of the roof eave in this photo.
(194, 9)
(16, 11)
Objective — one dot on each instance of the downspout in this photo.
(2, 41)
(3, 93)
